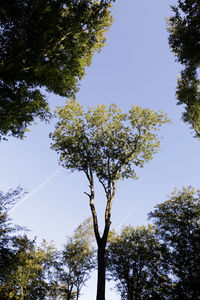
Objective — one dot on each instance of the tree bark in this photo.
(101, 241)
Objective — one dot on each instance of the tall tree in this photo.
(135, 264)
(178, 227)
(184, 40)
(45, 44)
(107, 144)
(77, 260)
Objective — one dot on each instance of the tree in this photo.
(178, 227)
(29, 267)
(24, 268)
(7, 200)
(45, 44)
(77, 260)
(135, 264)
(108, 145)
(184, 34)
(7, 231)
(28, 271)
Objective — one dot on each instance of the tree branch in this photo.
(92, 207)
(87, 194)
(110, 199)
(103, 184)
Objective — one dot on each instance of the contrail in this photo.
(41, 185)
(124, 219)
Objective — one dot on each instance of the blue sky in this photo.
(135, 67)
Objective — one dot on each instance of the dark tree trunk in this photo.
(101, 241)
(101, 279)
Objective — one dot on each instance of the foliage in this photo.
(26, 274)
(108, 144)
(135, 263)
(178, 227)
(7, 200)
(77, 260)
(184, 40)
(7, 231)
(24, 268)
(45, 44)
(28, 271)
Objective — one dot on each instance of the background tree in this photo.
(184, 40)
(178, 227)
(108, 144)
(27, 277)
(7, 231)
(28, 271)
(45, 44)
(25, 269)
(135, 263)
(77, 260)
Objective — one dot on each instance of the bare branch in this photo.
(103, 184)
(87, 194)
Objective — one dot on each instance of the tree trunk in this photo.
(101, 241)
(101, 279)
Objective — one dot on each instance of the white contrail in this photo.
(124, 219)
(41, 185)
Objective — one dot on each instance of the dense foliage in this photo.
(135, 264)
(7, 200)
(178, 227)
(77, 260)
(45, 44)
(184, 40)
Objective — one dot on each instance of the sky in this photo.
(135, 67)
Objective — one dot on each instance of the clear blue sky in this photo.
(135, 67)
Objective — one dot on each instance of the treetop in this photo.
(106, 141)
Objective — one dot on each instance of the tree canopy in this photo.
(184, 40)
(135, 264)
(27, 277)
(77, 260)
(178, 227)
(108, 142)
(45, 44)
